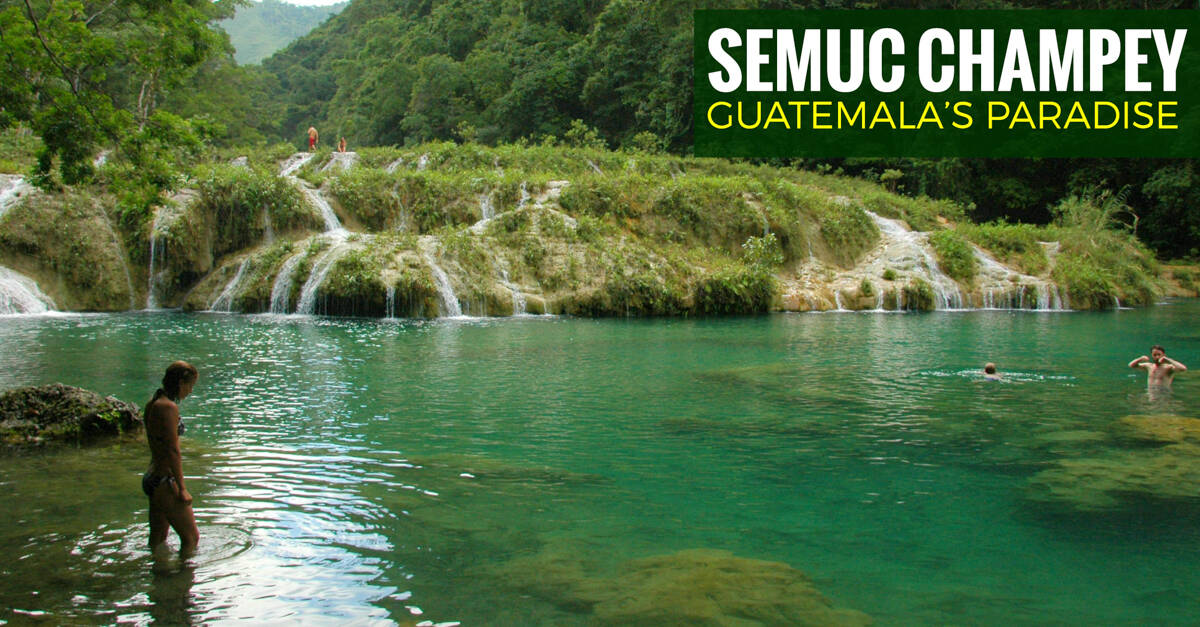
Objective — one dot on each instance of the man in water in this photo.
(989, 372)
(312, 138)
(1160, 369)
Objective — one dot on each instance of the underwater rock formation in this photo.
(62, 413)
(690, 587)
(1163, 466)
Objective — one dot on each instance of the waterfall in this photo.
(837, 300)
(391, 167)
(157, 256)
(331, 220)
(293, 163)
(524, 195)
(224, 302)
(120, 254)
(268, 228)
(422, 162)
(448, 305)
(913, 247)
(487, 207)
(391, 301)
(19, 294)
(320, 269)
(290, 166)
(519, 303)
(11, 190)
(281, 289)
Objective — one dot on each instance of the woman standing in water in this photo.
(170, 503)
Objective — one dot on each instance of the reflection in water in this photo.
(497, 472)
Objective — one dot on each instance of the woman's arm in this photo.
(174, 456)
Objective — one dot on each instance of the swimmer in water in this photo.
(1160, 369)
(170, 502)
(990, 373)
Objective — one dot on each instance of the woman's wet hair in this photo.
(990, 368)
(178, 373)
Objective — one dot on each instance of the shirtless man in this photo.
(1160, 369)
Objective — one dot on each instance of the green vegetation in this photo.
(848, 229)
(1017, 245)
(1099, 264)
(239, 202)
(65, 242)
(955, 255)
(260, 28)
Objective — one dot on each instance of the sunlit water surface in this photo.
(403, 471)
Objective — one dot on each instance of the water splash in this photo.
(19, 294)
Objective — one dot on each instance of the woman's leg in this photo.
(158, 525)
(180, 517)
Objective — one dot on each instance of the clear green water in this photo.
(351, 470)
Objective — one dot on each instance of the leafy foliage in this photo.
(955, 255)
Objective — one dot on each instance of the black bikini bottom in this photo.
(151, 480)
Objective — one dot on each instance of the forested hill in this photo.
(397, 72)
(261, 28)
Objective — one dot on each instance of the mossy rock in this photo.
(1168, 476)
(58, 413)
(693, 587)
(1157, 429)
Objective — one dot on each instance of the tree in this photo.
(80, 73)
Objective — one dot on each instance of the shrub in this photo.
(1016, 245)
(955, 255)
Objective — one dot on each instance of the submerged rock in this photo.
(1169, 475)
(1158, 429)
(61, 413)
(691, 587)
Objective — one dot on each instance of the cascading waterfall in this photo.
(281, 289)
(157, 256)
(837, 301)
(524, 200)
(307, 303)
(327, 214)
(391, 301)
(224, 302)
(519, 303)
(124, 263)
(487, 207)
(913, 247)
(11, 190)
(19, 294)
(448, 306)
(294, 163)
(422, 162)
